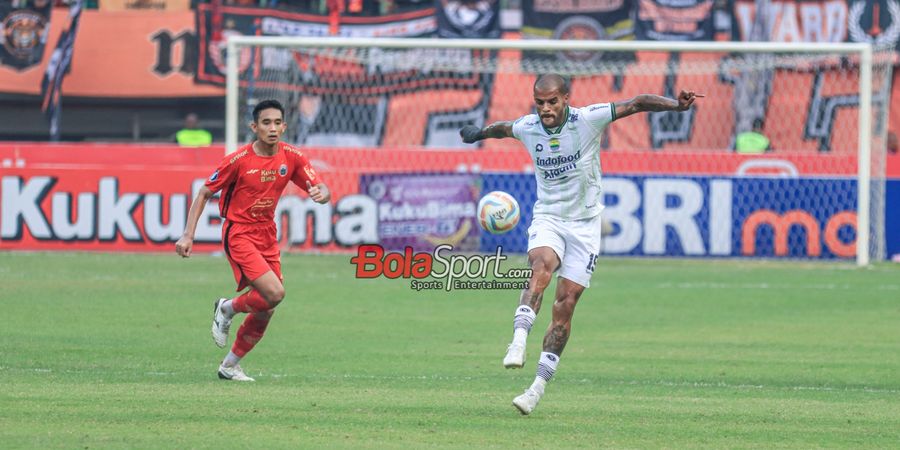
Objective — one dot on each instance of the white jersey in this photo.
(567, 161)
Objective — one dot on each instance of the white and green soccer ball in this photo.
(498, 212)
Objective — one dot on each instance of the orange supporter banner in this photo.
(122, 54)
(146, 5)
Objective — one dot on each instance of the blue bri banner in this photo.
(705, 216)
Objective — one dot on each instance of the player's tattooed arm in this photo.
(555, 340)
(654, 103)
(496, 130)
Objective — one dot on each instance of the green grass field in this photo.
(110, 350)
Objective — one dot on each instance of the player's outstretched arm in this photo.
(650, 102)
(496, 130)
(319, 193)
(183, 246)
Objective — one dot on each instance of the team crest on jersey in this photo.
(539, 148)
(282, 170)
(214, 176)
(554, 144)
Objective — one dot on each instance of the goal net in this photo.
(382, 116)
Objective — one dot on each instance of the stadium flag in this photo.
(458, 19)
(24, 33)
(691, 20)
(551, 19)
(215, 22)
(57, 68)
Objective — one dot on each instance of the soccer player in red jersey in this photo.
(252, 180)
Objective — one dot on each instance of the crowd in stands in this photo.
(350, 7)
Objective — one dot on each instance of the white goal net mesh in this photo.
(675, 183)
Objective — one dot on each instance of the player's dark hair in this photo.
(267, 104)
(553, 81)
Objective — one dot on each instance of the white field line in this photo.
(400, 378)
(823, 286)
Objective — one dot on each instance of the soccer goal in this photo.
(675, 184)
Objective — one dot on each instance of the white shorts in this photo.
(576, 243)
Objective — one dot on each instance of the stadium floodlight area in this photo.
(824, 108)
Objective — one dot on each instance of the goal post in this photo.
(824, 105)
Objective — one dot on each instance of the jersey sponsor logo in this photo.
(293, 150)
(214, 176)
(310, 172)
(539, 148)
(596, 107)
(266, 176)
(554, 144)
(559, 171)
(238, 156)
(251, 171)
(282, 170)
(558, 160)
(261, 206)
(573, 118)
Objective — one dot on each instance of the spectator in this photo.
(192, 135)
(753, 142)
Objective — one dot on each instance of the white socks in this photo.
(231, 360)
(522, 323)
(228, 308)
(547, 366)
(538, 385)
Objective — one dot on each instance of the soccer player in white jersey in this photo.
(564, 143)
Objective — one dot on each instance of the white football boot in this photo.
(220, 324)
(526, 402)
(234, 373)
(515, 356)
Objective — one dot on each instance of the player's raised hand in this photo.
(470, 134)
(183, 246)
(319, 193)
(686, 99)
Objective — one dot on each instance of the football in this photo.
(498, 212)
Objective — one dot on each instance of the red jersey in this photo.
(251, 184)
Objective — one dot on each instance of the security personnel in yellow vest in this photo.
(753, 142)
(192, 135)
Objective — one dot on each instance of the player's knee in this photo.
(564, 306)
(275, 295)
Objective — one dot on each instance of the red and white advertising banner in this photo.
(135, 198)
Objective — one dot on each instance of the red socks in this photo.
(250, 333)
(250, 302)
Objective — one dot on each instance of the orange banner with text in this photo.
(122, 54)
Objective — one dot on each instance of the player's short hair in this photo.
(267, 104)
(553, 80)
